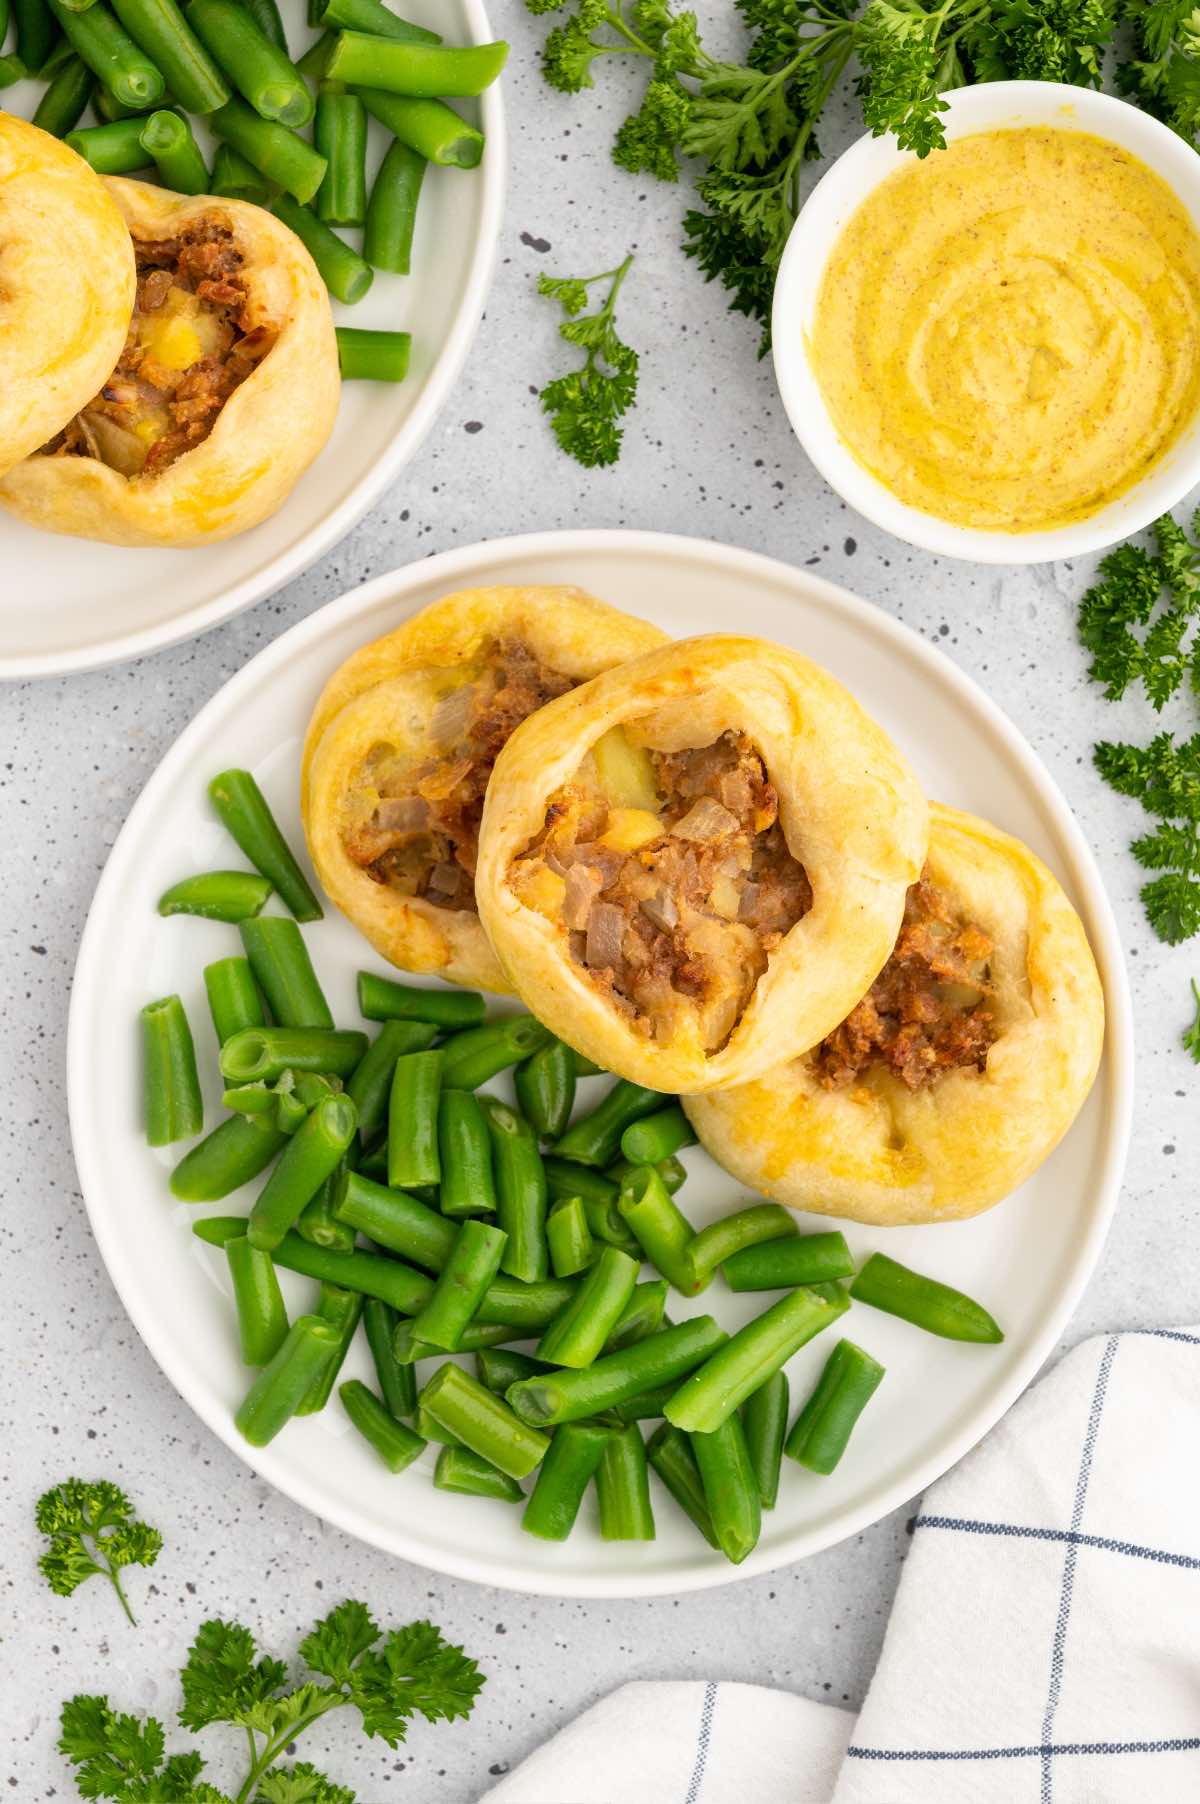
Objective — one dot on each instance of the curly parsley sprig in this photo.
(388, 1679)
(92, 1532)
(586, 406)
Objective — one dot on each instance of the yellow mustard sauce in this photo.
(1008, 333)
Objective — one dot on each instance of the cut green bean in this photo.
(764, 1423)
(782, 1264)
(576, 1337)
(657, 1136)
(279, 154)
(482, 1421)
(644, 1408)
(36, 37)
(391, 216)
(476, 1337)
(401, 1223)
(64, 102)
(709, 1397)
(545, 1086)
(313, 63)
(262, 1318)
(168, 139)
(163, 33)
(12, 70)
(258, 69)
(111, 54)
(108, 109)
(266, 16)
(342, 1309)
(926, 1303)
(762, 1222)
(397, 1382)
(669, 1170)
(498, 1367)
(730, 1488)
(377, 20)
(563, 1477)
(317, 1222)
(346, 275)
(114, 149)
(623, 1487)
(585, 1067)
(311, 1087)
(256, 1055)
(569, 1396)
(413, 1120)
(564, 1178)
(367, 356)
(290, 1112)
(473, 1263)
(458, 1469)
(660, 1228)
(465, 1151)
(595, 1139)
(233, 999)
(250, 1099)
(483, 1052)
(308, 1159)
(569, 1238)
(419, 71)
(340, 134)
(370, 1084)
(237, 179)
(280, 1387)
(607, 1224)
(642, 1315)
(226, 1159)
(397, 1445)
(521, 1194)
(381, 999)
(430, 127)
(823, 1428)
(669, 1453)
(431, 1430)
(215, 895)
(172, 1104)
(284, 973)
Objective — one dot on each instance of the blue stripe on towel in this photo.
(1173, 1745)
(702, 1740)
(1019, 1531)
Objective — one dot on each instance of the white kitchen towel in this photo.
(1044, 1646)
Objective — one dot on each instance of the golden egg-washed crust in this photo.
(851, 812)
(266, 434)
(66, 286)
(389, 688)
(879, 1152)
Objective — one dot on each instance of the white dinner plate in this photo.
(1027, 1260)
(70, 604)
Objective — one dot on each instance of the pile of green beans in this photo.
(228, 63)
(447, 1224)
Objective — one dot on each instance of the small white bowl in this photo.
(991, 106)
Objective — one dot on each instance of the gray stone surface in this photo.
(708, 452)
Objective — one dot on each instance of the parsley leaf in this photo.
(1191, 1038)
(301, 1784)
(91, 1530)
(586, 405)
(121, 1758)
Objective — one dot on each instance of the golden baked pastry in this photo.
(224, 392)
(958, 1072)
(695, 865)
(66, 286)
(400, 749)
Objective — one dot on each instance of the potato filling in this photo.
(415, 823)
(927, 1012)
(193, 339)
(672, 875)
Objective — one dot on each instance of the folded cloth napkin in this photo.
(1044, 1646)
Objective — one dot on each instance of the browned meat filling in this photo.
(678, 907)
(193, 339)
(423, 834)
(927, 1012)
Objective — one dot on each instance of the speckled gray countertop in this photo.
(708, 452)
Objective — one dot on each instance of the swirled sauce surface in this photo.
(1008, 333)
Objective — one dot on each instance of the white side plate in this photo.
(68, 604)
(1027, 1260)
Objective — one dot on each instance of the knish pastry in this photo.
(66, 286)
(225, 390)
(401, 746)
(695, 865)
(958, 1072)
